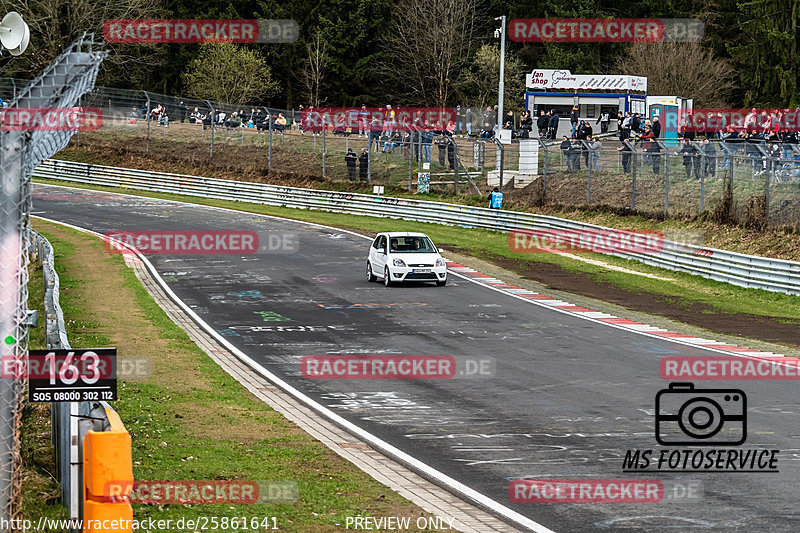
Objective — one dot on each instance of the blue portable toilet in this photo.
(666, 108)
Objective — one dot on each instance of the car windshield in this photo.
(411, 245)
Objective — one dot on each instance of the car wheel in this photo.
(387, 277)
(370, 276)
(441, 283)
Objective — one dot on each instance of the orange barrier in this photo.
(107, 458)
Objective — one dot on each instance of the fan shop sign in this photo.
(552, 79)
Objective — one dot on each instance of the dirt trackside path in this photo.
(785, 331)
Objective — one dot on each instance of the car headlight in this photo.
(440, 262)
(398, 263)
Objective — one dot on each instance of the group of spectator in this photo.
(259, 119)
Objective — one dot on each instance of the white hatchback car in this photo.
(398, 257)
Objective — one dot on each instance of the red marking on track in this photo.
(536, 297)
(574, 308)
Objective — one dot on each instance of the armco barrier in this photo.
(91, 429)
(738, 269)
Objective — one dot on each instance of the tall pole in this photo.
(501, 85)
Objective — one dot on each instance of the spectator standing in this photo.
(363, 121)
(182, 110)
(573, 119)
(656, 128)
(626, 152)
(469, 117)
(552, 124)
(690, 159)
(451, 153)
(620, 119)
(575, 154)
(652, 148)
(627, 125)
(594, 149)
(603, 120)
(461, 116)
(350, 160)
(525, 125)
(441, 144)
(363, 165)
(541, 123)
(495, 199)
(566, 151)
(636, 123)
(709, 158)
(427, 141)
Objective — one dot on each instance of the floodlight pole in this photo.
(501, 84)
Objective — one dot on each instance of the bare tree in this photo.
(314, 68)
(56, 23)
(428, 44)
(680, 69)
(478, 83)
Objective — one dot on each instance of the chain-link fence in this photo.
(750, 181)
(60, 86)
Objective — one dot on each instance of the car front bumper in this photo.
(407, 274)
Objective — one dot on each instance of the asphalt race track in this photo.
(566, 399)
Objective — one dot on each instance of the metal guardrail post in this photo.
(456, 163)
(410, 161)
(666, 182)
(213, 112)
(702, 191)
(544, 171)
(269, 146)
(767, 175)
(634, 166)
(147, 118)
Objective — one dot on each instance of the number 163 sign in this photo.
(66, 375)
